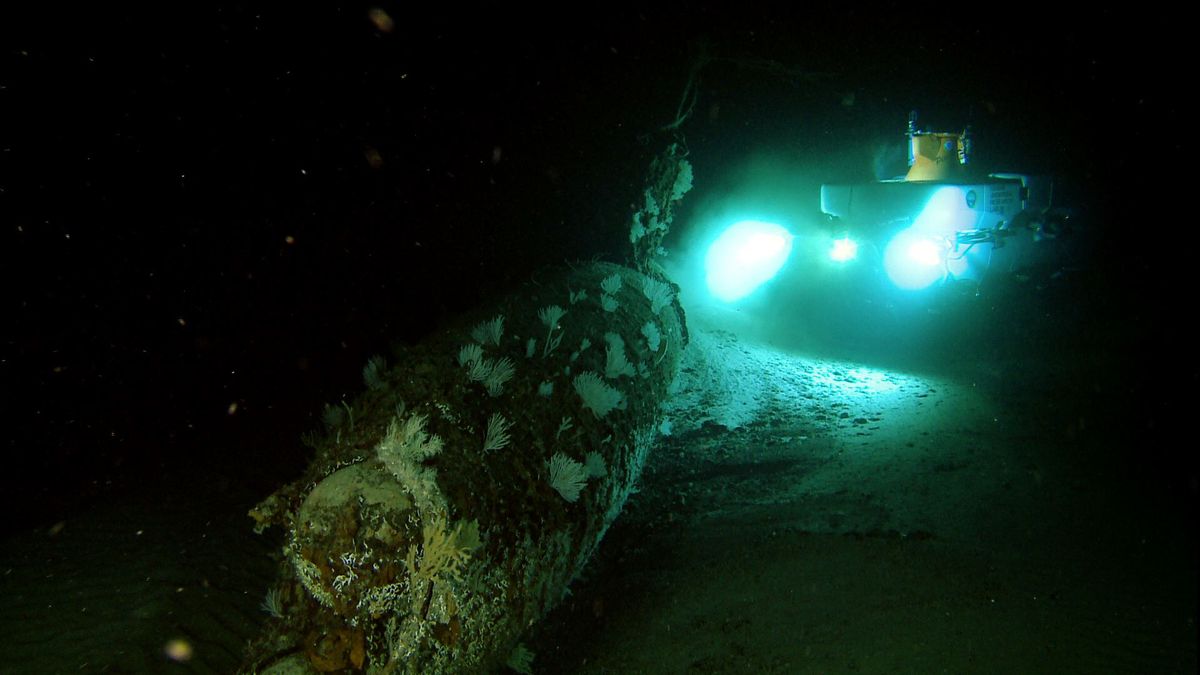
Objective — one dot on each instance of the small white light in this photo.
(843, 249)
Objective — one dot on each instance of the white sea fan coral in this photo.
(608, 303)
(594, 463)
(550, 316)
(471, 353)
(653, 337)
(404, 447)
(564, 425)
(611, 284)
(596, 394)
(567, 476)
(501, 371)
(616, 364)
(496, 437)
(273, 603)
(493, 373)
(408, 441)
(658, 293)
(373, 372)
(489, 331)
(479, 369)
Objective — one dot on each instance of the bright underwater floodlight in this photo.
(746, 255)
(925, 252)
(921, 254)
(913, 260)
(844, 249)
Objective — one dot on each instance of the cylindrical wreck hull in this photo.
(448, 507)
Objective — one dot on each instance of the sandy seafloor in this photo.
(808, 513)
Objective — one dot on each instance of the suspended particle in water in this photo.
(380, 18)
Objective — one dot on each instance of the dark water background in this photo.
(213, 217)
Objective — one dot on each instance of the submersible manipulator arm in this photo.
(449, 505)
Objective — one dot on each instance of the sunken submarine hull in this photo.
(448, 507)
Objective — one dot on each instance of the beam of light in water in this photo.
(746, 255)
